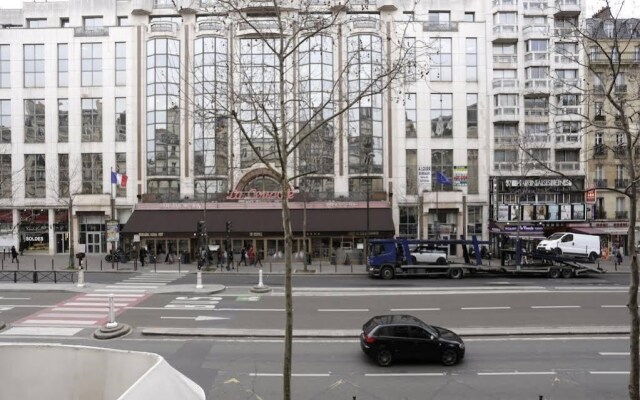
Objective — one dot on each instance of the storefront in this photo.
(330, 226)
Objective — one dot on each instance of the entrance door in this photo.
(62, 242)
(93, 242)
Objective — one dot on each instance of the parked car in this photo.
(572, 244)
(387, 338)
(429, 255)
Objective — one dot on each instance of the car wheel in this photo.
(414, 261)
(554, 273)
(567, 273)
(384, 357)
(441, 261)
(456, 273)
(449, 357)
(593, 256)
(386, 273)
(558, 252)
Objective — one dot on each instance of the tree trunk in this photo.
(634, 385)
(288, 336)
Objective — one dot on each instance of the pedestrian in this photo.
(257, 260)
(203, 259)
(618, 256)
(251, 255)
(230, 259)
(142, 255)
(14, 254)
(243, 257)
(220, 259)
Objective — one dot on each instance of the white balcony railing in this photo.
(505, 58)
(505, 83)
(536, 56)
(568, 166)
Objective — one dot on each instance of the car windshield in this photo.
(556, 236)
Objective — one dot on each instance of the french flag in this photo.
(118, 179)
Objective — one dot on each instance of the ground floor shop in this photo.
(332, 232)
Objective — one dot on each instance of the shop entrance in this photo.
(93, 242)
(62, 242)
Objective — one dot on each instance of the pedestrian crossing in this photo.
(92, 309)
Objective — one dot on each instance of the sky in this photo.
(630, 7)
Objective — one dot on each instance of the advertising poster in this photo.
(503, 212)
(113, 234)
(460, 175)
(541, 212)
(553, 212)
(578, 211)
(565, 212)
(528, 213)
(424, 177)
(513, 212)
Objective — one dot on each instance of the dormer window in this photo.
(92, 23)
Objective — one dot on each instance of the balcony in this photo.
(264, 26)
(567, 7)
(536, 59)
(620, 89)
(141, 7)
(504, 166)
(505, 33)
(505, 86)
(534, 7)
(561, 85)
(505, 59)
(90, 32)
(265, 6)
(505, 5)
(209, 26)
(621, 183)
(600, 151)
(536, 31)
(620, 150)
(600, 183)
(537, 86)
(600, 214)
(565, 32)
(568, 140)
(600, 119)
(365, 24)
(566, 59)
(162, 28)
(440, 27)
(568, 166)
(508, 141)
(536, 115)
(572, 111)
(507, 114)
(622, 214)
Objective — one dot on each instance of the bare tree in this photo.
(297, 76)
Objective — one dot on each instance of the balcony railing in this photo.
(536, 112)
(620, 151)
(568, 166)
(622, 214)
(620, 89)
(535, 5)
(505, 84)
(505, 59)
(621, 183)
(536, 56)
(600, 215)
(568, 139)
(90, 32)
(600, 183)
(600, 151)
(440, 26)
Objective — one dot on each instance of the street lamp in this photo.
(368, 159)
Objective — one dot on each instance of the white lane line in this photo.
(137, 288)
(72, 316)
(116, 295)
(121, 290)
(614, 306)
(40, 331)
(414, 309)
(609, 372)
(406, 374)
(58, 322)
(278, 375)
(15, 298)
(550, 307)
(75, 309)
(102, 303)
(343, 309)
(485, 308)
(516, 373)
(134, 284)
(614, 353)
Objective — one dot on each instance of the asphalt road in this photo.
(524, 368)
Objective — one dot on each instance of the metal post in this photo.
(112, 314)
(368, 159)
(260, 284)
(81, 278)
(199, 280)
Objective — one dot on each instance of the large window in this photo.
(6, 188)
(472, 115)
(92, 23)
(34, 121)
(442, 162)
(92, 120)
(121, 119)
(63, 65)
(441, 115)
(441, 60)
(411, 171)
(5, 76)
(91, 64)
(472, 171)
(121, 168)
(5, 121)
(63, 175)
(365, 117)
(408, 224)
(316, 88)
(410, 112)
(33, 65)
(211, 127)
(121, 64)
(472, 59)
(163, 114)
(92, 173)
(34, 176)
(63, 120)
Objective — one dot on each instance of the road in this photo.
(496, 367)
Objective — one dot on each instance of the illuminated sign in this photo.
(254, 194)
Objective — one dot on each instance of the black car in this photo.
(387, 338)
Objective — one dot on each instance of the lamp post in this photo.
(368, 159)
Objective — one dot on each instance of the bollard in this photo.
(270, 270)
(52, 264)
(336, 265)
(260, 284)
(100, 265)
(155, 264)
(199, 280)
(18, 262)
(135, 264)
(34, 264)
(80, 278)
(178, 265)
(3, 264)
(112, 314)
(351, 267)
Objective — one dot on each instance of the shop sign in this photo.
(113, 231)
(254, 194)
(523, 228)
(590, 196)
(34, 238)
(255, 234)
(537, 182)
(34, 228)
(460, 175)
(151, 234)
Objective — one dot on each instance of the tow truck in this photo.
(390, 258)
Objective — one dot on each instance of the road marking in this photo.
(117, 286)
(550, 307)
(343, 309)
(485, 308)
(278, 375)
(198, 318)
(120, 290)
(72, 316)
(90, 304)
(15, 298)
(516, 373)
(406, 374)
(85, 309)
(613, 353)
(115, 295)
(414, 309)
(58, 322)
(6, 308)
(614, 306)
(609, 372)
(191, 306)
(40, 331)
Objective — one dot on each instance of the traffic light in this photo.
(200, 228)
(228, 226)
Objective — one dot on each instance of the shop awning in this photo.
(589, 230)
(266, 221)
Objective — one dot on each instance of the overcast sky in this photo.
(630, 8)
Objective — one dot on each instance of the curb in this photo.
(354, 334)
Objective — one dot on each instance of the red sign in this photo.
(254, 194)
(590, 196)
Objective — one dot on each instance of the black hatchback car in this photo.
(387, 338)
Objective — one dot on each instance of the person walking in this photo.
(257, 260)
(14, 254)
(142, 255)
(243, 257)
(230, 259)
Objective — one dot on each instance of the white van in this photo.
(574, 244)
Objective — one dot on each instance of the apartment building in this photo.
(537, 168)
(88, 88)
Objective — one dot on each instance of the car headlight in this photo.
(461, 346)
